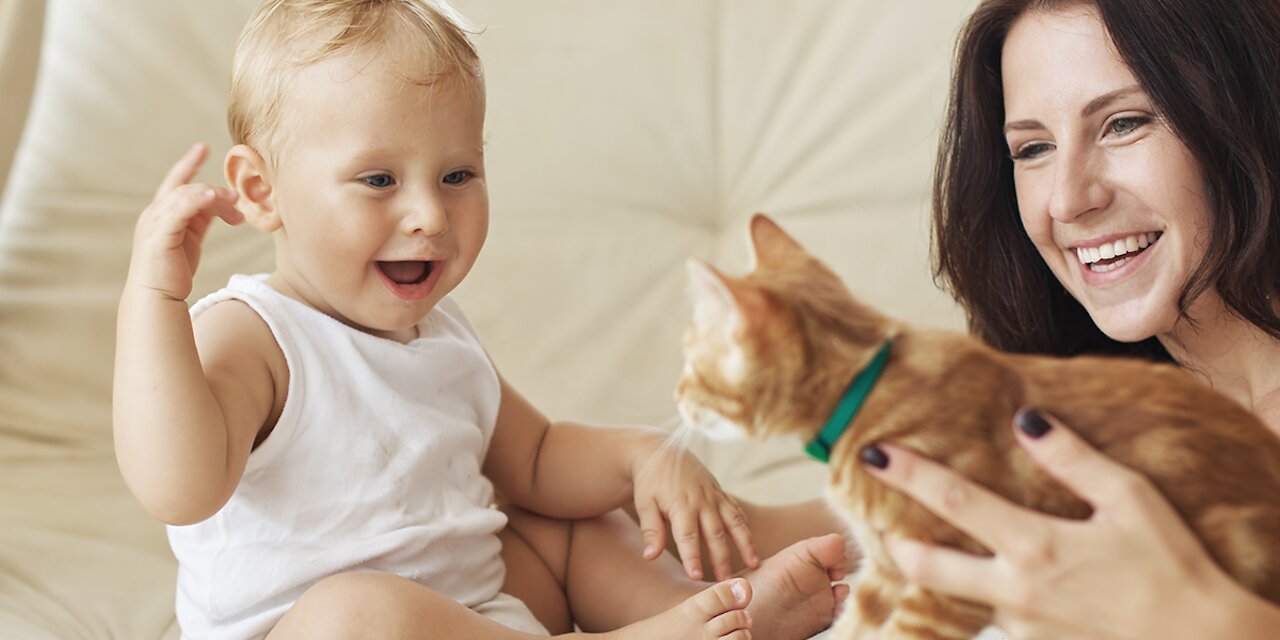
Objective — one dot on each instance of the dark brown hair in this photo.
(1212, 70)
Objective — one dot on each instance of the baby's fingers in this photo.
(182, 215)
(184, 169)
(653, 529)
(179, 206)
(224, 206)
(734, 517)
(717, 544)
(684, 527)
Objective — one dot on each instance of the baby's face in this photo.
(379, 184)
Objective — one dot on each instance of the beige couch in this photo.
(623, 137)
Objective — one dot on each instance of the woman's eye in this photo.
(380, 181)
(1032, 150)
(1121, 126)
(457, 177)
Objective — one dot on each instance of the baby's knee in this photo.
(356, 605)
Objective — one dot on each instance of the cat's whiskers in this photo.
(673, 446)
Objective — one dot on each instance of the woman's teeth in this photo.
(1112, 252)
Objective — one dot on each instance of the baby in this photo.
(326, 440)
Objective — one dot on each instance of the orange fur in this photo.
(792, 337)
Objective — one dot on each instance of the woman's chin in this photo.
(1127, 327)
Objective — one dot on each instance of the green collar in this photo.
(820, 447)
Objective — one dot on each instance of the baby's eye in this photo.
(1031, 150)
(458, 177)
(379, 181)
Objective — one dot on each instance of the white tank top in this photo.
(374, 465)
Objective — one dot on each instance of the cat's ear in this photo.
(770, 245)
(719, 300)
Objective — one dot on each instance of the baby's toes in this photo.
(730, 624)
(719, 599)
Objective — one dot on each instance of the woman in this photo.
(1073, 125)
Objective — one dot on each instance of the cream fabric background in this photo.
(623, 137)
(20, 29)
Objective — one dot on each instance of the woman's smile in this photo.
(1105, 262)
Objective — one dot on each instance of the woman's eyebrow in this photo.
(1022, 125)
(1107, 98)
(1089, 109)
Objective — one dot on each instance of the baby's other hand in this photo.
(167, 239)
(672, 486)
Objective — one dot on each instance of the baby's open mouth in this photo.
(406, 271)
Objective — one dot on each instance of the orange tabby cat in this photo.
(774, 352)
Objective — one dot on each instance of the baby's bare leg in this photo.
(385, 606)
(569, 571)
(537, 577)
(607, 583)
(388, 607)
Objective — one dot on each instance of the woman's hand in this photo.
(672, 486)
(1132, 570)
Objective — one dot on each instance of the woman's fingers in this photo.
(184, 169)
(947, 570)
(991, 519)
(1063, 454)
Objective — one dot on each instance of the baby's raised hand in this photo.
(673, 487)
(166, 241)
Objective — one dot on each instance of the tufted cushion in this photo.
(622, 138)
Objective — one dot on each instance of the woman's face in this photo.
(1111, 198)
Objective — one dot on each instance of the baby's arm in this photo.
(571, 470)
(563, 469)
(184, 418)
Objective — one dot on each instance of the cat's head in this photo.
(764, 351)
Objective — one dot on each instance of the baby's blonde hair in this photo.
(285, 35)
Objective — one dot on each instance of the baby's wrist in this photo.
(644, 443)
(135, 291)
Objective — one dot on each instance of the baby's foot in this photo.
(794, 597)
(716, 613)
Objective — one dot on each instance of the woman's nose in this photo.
(1079, 186)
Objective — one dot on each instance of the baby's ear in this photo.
(719, 301)
(770, 245)
(246, 172)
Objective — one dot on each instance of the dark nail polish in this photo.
(874, 456)
(1032, 423)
